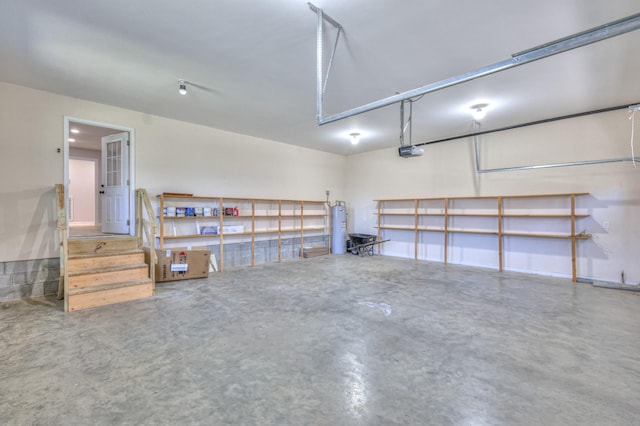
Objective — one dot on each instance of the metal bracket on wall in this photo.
(602, 32)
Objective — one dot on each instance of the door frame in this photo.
(132, 184)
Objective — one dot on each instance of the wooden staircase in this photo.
(106, 270)
(103, 271)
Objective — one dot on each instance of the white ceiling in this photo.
(88, 136)
(252, 63)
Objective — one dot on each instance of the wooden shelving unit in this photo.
(258, 217)
(487, 215)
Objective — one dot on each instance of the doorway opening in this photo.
(98, 177)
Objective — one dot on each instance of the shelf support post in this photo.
(253, 231)
(302, 229)
(279, 231)
(446, 228)
(417, 238)
(379, 224)
(574, 272)
(500, 240)
(220, 212)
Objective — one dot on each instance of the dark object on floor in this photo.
(363, 244)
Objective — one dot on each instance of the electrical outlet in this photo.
(605, 225)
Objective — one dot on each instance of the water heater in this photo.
(339, 228)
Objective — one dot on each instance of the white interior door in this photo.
(114, 188)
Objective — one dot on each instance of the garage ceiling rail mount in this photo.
(596, 34)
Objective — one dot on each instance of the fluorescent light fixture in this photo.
(72, 140)
(182, 89)
(355, 138)
(75, 131)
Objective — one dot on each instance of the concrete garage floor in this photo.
(335, 340)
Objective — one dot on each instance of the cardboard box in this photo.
(181, 264)
(209, 230)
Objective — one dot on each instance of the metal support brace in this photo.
(402, 125)
(405, 124)
(321, 83)
(480, 170)
(603, 32)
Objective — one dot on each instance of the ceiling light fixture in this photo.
(72, 140)
(183, 87)
(75, 131)
(355, 138)
(479, 111)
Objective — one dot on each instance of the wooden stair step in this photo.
(106, 254)
(101, 245)
(108, 294)
(98, 288)
(100, 276)
(78, 262)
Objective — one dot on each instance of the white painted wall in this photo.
(181, 157)
(447, 169)
(170, 156)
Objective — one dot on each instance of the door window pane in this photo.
(114, 172)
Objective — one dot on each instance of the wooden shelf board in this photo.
(482, 197)
(188, 197)
(191, 217)
(577, 194)
(216, 217)
(210, 236)
(546, 216)
(485, 197)
(536, 235)
(472, 231)
(540, 216)
(262, 200)
(236, 199)
(398, 199)
(414, 199)
(474, 214)
(395, 228)
(432, 199)
(188, 236)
